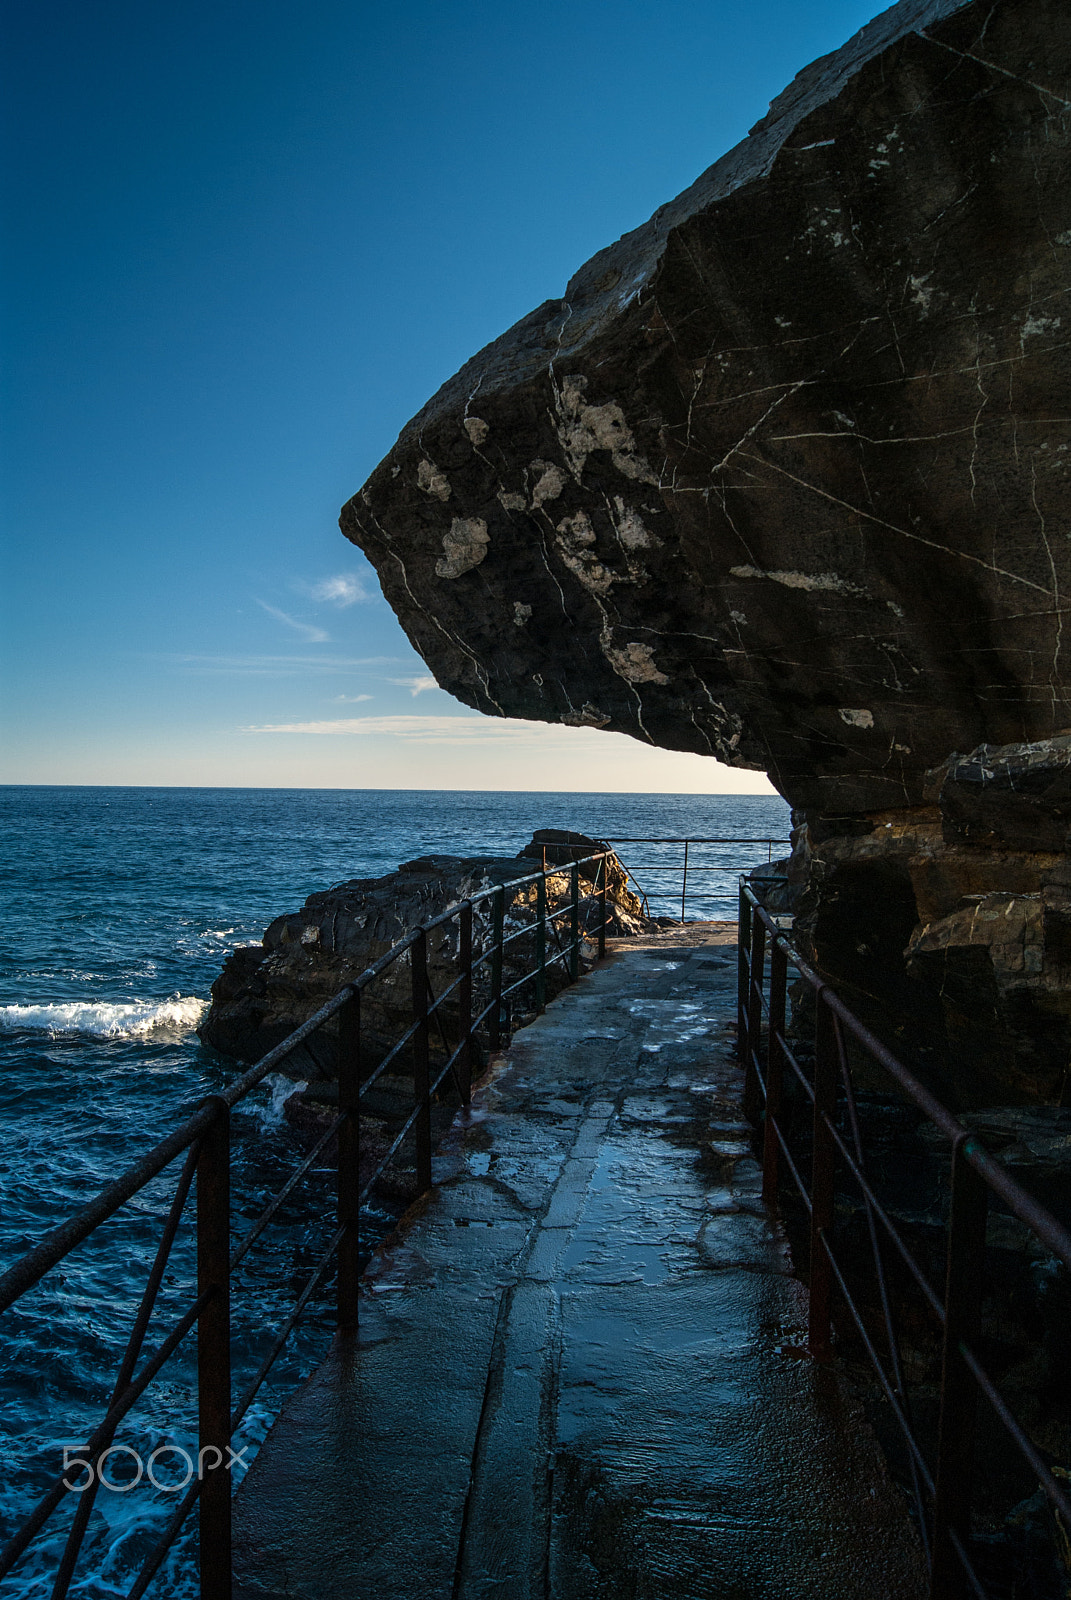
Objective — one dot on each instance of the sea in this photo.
(120, 905)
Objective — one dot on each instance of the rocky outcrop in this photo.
(1017, 797)
(783, 479)
(265, 991)
(951, 923)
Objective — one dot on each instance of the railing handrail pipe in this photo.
(205, 1136)
(975, 1176)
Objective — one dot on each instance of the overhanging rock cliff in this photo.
(783, 478)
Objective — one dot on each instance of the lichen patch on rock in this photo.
(432, 481)
(464, 547)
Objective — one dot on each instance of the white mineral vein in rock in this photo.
(813, 582)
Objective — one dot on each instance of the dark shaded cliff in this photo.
(783, 479)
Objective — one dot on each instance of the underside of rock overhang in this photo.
(783, 477)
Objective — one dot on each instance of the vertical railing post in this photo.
(756, 963)
(684, 880)
(602, 908)
(214, 1355)
(464, 994)
(541, 945)
(498, 923)
(743, 967)
(574, 923)
(775, 1072)
(822, 1175)
(418, 960)
(963, 1308)
(349, 1159)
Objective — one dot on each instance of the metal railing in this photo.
(942, 1486)
(686, 865)
(204, 1141)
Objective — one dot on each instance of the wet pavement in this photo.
(581, 1369)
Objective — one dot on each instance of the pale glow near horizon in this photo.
(398, 752)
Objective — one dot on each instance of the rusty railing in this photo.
(204, 1144)
(686, 865)
(941, 1478)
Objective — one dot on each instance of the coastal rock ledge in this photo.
(267, 990)
(783, 479)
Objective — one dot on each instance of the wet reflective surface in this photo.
(581, 1370)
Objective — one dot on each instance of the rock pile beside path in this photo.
(265, 991)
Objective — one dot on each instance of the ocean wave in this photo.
(103, 1019)
(272, 1115)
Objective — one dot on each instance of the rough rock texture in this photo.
(265, 991)
(1018, 796)
(783, 478)
(955, 950)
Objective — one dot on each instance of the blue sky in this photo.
(244, 242)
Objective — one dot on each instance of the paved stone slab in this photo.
(581, 1369)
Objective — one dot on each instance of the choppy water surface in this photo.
(120, 905)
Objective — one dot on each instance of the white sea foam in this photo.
(272, 1115)
(102, 1019)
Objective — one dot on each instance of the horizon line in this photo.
(297, 788)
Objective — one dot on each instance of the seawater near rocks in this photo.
(265, 991)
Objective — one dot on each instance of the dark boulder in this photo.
(1014, 796)
(265, 991)
(782, 477)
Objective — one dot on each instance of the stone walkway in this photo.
(581, 1370)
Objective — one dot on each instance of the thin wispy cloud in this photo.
(352, 699)
(416, 685)
(431, 730)
(277, 666)
(308, 631)
(343, 590)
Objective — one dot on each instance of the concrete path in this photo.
(581, 1370)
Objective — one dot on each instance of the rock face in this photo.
(957, 951)
(265, 991)
(783, 478)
